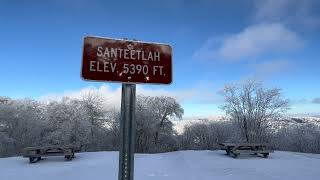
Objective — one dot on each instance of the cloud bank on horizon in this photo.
(112, 96)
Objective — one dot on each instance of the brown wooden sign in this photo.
(126, 61)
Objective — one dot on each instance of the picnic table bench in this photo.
(236, 148)
(35, 153)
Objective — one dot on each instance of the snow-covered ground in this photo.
(181, 165)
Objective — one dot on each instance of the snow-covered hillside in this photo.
(182, 165)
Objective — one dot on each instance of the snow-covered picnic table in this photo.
(236, 148)
(35, 153)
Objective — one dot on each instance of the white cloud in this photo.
(271, 68)
(199, 93)
(316, 100)
(274, 10)
(110, 96)
(207, 51)
(251, 42)
(258, 39)
(296, 13)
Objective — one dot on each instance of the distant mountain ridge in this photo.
(294, 120)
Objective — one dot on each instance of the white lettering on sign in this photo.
(115, 53)
(116, 60)
(97, 66)
(102, 66)
(158, 70)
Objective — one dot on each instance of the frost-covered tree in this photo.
(205, 135)
(67, 123)
(154, 129)
(20, 123)
(92, 103)
(299, 137)
(113, 126)
(251, 106)
(6, 142)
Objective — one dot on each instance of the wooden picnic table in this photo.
(35, 153)
(252, 148)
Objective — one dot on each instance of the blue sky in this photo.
(214, 43)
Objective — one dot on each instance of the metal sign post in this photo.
(127, 132)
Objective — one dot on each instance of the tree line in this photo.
(85, 121)
(253, 115)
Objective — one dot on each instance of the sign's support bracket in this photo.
(127, 132)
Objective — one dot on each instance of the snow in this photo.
(181, 165)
